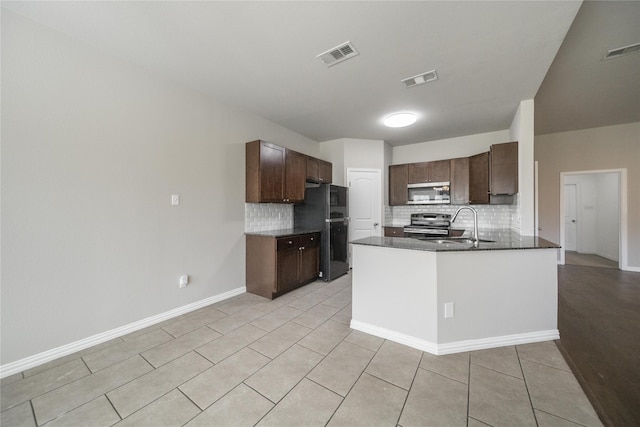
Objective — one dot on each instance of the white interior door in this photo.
(365, 204)
(570, 221)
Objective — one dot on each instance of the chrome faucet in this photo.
(475, 222)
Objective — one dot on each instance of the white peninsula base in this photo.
(449, 302)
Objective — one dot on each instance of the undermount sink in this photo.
(459, 240)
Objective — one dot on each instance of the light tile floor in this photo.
(292, 361)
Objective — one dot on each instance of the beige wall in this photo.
(610, 147)
(92, 149)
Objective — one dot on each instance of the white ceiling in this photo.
(261, 56)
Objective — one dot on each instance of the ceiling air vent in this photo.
(427, 77)
(622, 51)
(338, 54)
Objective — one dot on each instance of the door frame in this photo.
(578, 202)
(623, 261)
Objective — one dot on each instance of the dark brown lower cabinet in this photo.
(276, 265)
(393, 231)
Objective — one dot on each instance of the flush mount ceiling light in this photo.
(400, 120)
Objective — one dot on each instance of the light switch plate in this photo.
(448, 310)
(184, 281)
(175, 200)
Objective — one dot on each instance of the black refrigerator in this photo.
(325, 209)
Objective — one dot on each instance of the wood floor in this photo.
(590, 260)
(599, 323)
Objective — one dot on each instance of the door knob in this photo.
(375, 224)
(573, 220)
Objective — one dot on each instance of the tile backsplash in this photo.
(267, 216)
(278, 216)
(489, 216)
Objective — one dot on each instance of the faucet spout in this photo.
(475, 221)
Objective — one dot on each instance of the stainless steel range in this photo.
(428, 224)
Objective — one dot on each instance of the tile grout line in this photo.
(562, 418)
(113, 406)
(415, 373)
(33, 412)
(443, 376)
(526, 386)
(468, 388)
(194, 404)
(328, 389)
(354, 383)
(500, 372)
(161, 396)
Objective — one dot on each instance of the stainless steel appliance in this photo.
(428, 225)
(325, 209)
(429, 193)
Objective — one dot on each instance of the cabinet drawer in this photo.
(310, 240)
(285, 243)
(394, 231)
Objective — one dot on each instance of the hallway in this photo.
(589, 260)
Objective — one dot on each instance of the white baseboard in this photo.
(55, 353)
(458, 346)
(377, 331)
(501, 341)
(629, 268)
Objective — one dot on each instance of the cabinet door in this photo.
(479, 178)
(504, 168)
(398, 180)
(295, 176)
(264, 172)
(312, 169)
(287, 263)
(418, 172)
(439, 171)
(310, 257)
(325, 172)
(460, 181)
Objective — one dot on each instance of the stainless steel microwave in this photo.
(429, 193)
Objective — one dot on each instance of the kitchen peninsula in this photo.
(447, 296)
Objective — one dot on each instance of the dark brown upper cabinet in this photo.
(319, 171)
(295, 172)
(398, 181)
(504, 168)
(479, 178)
(325, 172)
(436, 171)
(274, 174)
(460, 181)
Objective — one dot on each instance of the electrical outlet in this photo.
(184, 281)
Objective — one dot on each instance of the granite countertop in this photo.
(282, 232)
(499, 240)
